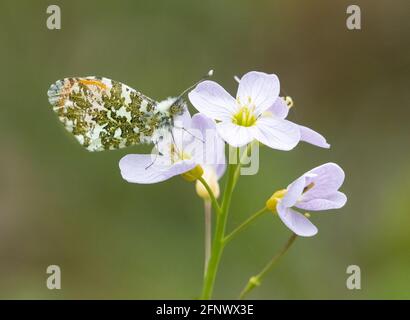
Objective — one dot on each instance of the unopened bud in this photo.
(211, 179)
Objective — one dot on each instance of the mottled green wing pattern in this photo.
(104, 114)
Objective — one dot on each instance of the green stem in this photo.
(218, 244)
(208, 232)
(244, 225)
(215, 204)
(245, 153)
(256, 280)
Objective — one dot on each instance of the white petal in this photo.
(202, 123)
(213, 146)
(279, 108)
(310, 136)
(210, 148)
(236, 136)
(276, 133)
(183, 120)
(296, 222)
(294, 191)
(262, 88)
(146, 168)
(326, 179)
(220, 169)
(331, 201)
(212, 100)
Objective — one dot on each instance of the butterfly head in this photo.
(176, 106)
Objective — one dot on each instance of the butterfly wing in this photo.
(104, 114)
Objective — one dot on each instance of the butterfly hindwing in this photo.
(104, 114)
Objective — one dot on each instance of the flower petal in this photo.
(262, 88)
(326, 180)
(294, 191)
(146, 168)
(276, 133)
(179, 135)
(332, 201)
(296, 222)
(212, 100)
(183, 120)
(202, 123)
(212, 147)
(279, 108)
(236, 136)
(310, 136)
(220, 169)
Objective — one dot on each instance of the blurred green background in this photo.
(61, 205)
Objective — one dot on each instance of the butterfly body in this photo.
(104, 114)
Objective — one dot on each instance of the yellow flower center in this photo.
(274, 199)
(177, 155)
(245, 116)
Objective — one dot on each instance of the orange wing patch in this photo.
(93, 83)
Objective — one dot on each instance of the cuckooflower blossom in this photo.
(316, 190)
(241, 120)
(192, 145)
(280, 110)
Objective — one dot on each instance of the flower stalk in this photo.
(256, 280)
(218, 243)
(245, 224)
(221, 221)
(208, 232)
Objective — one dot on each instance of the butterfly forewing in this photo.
(104, 114)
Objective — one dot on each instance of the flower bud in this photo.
(212, 180)
(274, 199)
(193, 174)
(255, 281)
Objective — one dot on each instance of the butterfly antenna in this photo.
(190, 133)
(208, 75)
(174, 142)
(155, 158)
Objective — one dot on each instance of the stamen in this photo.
(308, 187)
(245, 117)
(289, 101)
